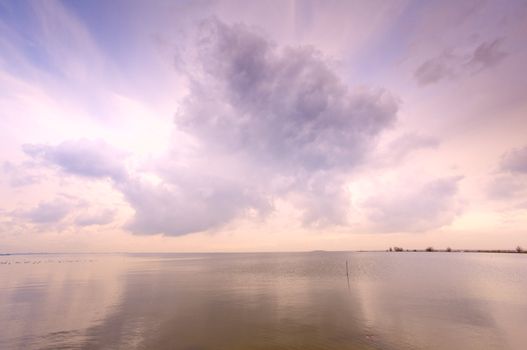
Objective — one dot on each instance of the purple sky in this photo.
(262, 126)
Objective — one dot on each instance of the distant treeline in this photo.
(448, 249)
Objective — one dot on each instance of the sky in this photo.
(196, 126)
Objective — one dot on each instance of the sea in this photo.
(309, 300)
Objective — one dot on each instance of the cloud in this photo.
(510, 183)
(515, 161)
(507, 186)
(417, 208)
(286, 107)
(404, 145)
(435, 69)
(285, 114)
(451, 64)
(47, 212)
(487, 54)
(102, 217)
(95, 159)
(186, 206)
(20, 175)
(324, 200)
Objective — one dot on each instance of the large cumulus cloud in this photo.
(267, 122)
(287, 107)
(286, 114)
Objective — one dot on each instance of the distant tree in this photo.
(519, 249)
(391, 250)
(429, 249)
(448, 249)
(398, 249)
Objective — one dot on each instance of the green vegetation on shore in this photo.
(450, 250)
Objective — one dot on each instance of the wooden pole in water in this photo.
(347, 274)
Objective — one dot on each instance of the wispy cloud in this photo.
(451, 64)
(82, 157)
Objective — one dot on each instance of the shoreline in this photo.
(500, 251)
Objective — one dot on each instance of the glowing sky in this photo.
(262, 126)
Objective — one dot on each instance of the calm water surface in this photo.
(264, 301)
